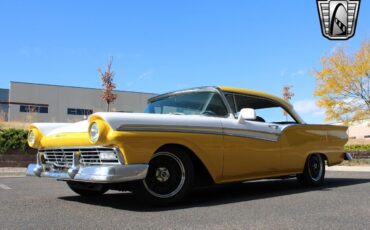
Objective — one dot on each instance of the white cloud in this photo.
(292, 74)
(309, 107)
(298, 72)
(141, 77)
(129, 84)
(145, 75)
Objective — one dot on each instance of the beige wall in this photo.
(59, 98)
(358, 132)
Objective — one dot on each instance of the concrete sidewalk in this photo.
(12, 172)
(343, 168)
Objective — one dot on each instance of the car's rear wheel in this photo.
(87, 189)
(314, 171)
(169, 179)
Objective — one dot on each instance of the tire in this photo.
(169, 179)
(87, 189)
(314, 171)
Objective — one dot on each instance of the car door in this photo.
(251, 148)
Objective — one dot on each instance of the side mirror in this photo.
(246, 114)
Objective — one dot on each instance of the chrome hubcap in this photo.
(162, 174)
(316, 167)
(166, 175)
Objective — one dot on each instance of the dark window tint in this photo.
(216, 106)
(230, 100)
(73, 111)
(24, 108)
(33, 109)
(43, 109)
(243, 101)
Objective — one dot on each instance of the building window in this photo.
(73, 111)
(367, 136)
(33, 109)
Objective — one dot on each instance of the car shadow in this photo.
(217, 195)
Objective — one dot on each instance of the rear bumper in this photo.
(97, 174)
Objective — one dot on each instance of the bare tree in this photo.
(108, 85)
(287, 96)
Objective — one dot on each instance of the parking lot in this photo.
(343, 203)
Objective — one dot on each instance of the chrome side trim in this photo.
(171, 128)
(253, 134)
(96, 174)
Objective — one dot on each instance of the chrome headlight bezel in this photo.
(32, 137)
(94, 132)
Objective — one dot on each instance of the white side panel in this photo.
(253, 129)
(117, 120)
(54, 128)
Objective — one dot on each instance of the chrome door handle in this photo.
(276, 127)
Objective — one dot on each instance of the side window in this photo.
(266, 110)
(216, 106)
(274, 115)
(245, 102)
(230, 100)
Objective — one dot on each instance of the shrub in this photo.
(13, 139)
(357, 147)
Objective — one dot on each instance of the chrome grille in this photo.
(63, 157)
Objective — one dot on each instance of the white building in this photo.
(29, 102)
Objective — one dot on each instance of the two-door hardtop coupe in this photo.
(185, 139)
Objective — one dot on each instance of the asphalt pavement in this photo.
(342, 203)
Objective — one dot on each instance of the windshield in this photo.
(194, 103)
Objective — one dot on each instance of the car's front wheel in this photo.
(169, 179)
(314, 171)
(87, 189)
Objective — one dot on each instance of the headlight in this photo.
(31, 138)
(94, 132)
(34, 138)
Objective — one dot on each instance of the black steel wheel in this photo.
(169, 179)
(314, 171)
(87, 189)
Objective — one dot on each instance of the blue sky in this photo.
(161, 46)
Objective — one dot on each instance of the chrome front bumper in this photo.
(97, 174)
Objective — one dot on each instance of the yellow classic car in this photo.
(185, 139)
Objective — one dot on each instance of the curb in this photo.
(348, 168)
(12, 172)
